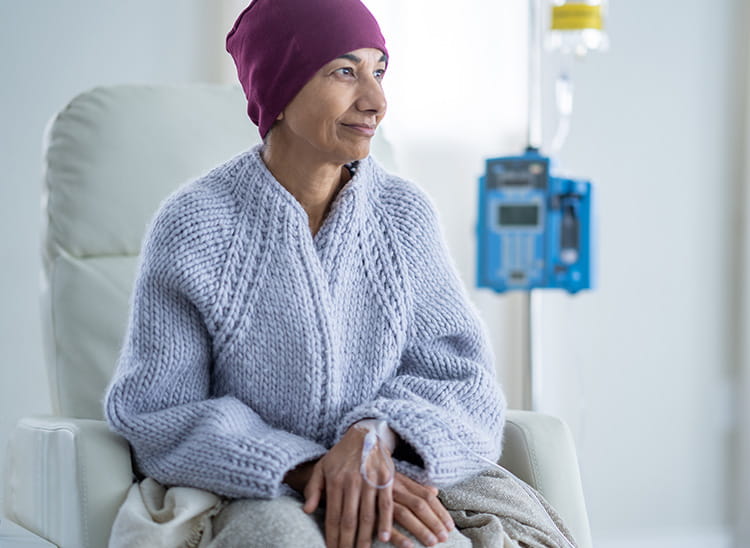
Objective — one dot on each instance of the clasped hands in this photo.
(356, 510)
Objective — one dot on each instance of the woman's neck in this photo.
(313, 182)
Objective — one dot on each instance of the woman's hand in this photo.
(352, 505)
(418, 510)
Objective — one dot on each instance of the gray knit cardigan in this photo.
(252, 346)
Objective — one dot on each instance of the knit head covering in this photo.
(279, 45)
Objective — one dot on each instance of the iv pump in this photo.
(534, 229)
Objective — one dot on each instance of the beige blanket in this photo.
(496, 505)
(155, 517)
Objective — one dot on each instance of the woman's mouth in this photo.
(362, 129)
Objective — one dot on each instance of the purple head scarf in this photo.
(278, 45)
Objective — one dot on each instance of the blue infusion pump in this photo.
(534, 229)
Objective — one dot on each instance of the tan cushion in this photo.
(539, 449)
(115, 152)
(88, 300)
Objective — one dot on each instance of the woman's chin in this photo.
(345, 153)
(361, 152)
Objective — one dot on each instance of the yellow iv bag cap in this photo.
(577, 16)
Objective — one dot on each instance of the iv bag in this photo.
(576, 26)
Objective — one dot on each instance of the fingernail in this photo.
(385, 536)
(406, 544)
(443, 536)
(449, 525)
(431, 540)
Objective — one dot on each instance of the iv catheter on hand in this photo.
(379, 437)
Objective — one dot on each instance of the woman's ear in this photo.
(280, 116)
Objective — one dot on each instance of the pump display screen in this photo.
(518, 215)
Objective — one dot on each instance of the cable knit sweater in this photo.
(252, 346)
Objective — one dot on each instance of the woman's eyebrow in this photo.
(354, 59)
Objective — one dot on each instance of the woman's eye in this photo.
(379, 74)
(347, 71)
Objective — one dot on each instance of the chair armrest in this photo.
(539, 449)
(66, 479)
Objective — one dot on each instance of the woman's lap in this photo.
(278, 522)
(282, 522)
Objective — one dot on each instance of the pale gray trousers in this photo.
(281, 522)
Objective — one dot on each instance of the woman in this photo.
(298, 297)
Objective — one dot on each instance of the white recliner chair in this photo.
(111, 156)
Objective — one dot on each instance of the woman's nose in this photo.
(372, 96)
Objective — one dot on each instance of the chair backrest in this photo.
(110, 157)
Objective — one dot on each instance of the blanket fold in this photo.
(153, 516)
(497, 505)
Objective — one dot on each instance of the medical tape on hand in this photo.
(377, 431)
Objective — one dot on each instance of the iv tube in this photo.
(564, 102)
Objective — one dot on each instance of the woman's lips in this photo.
(369, 131)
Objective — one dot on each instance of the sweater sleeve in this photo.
(159, 398)
(444, 400)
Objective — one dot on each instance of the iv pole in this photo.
(532, 381)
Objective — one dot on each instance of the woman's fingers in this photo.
(409, 520)
(349, 518)
(439, 510)
(334, 507)
(314, 490)
(400, 540)
(419, 511)
(442, 513)
(405, 489)
(366, 527)
(385, 513)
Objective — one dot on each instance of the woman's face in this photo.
(335, 114)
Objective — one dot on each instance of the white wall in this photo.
(656, 127)
(50, 51)
(640, 368)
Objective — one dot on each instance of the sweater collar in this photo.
(347, 211)
(354, 189)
